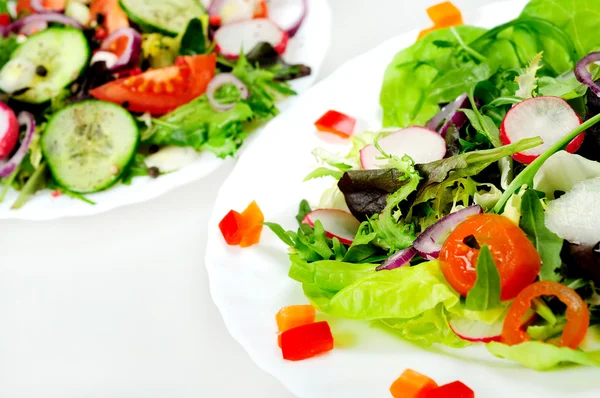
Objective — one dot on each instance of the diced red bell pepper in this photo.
(231, 228)
(243, 229)
(306, 341)
(336, 123)
(455, 389)
(412, 384)
(293, 316)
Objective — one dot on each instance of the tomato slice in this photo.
(515, 256)
(113, 15)
(160, 91)
(578, 314)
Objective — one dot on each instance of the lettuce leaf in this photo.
(542, 356)
(414, 301)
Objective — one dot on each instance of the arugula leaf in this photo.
(281, 233)
(361, 248)
(547, 243)
(485, 294)
(464, 165)
(137, 168)
(542, 356)
(303, 210)
(37, 182)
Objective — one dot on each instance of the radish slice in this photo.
(244, 36)
(288, 14)
(481, 332)
(337, 224)
(171, 158)
(421, 144)
(9, 130)
(548, 117)
(232, 11)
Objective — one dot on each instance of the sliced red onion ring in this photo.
(215, 6)
(38, 6)
(429, 243)
(33, 27)
(46, 17)
(8, 166)
(449, 115)
(219, 81)
(280, 12)
(397, 260)
(584, 76)
(133, 51)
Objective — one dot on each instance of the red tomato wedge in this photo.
(516, 258)
(160, 91)
(412, 384)
(578, 314)
(113, 15)
(455, 389)
(336, 123)
(306, 341)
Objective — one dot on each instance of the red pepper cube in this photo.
(306, 341)
(455, 389)
(231, 227)
(336, 123)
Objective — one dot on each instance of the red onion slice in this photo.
(397, 260)
(133, 51)
(38, 6)
(584, 76)
(280, 11)
(219, 81)
(46, 17)
(33, 27)
(8, 166)
(429, 243)
(449, 115)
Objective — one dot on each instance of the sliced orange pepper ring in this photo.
(578, 314)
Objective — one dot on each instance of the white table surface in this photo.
(117, 305)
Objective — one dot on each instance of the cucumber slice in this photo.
(169, 17)
(62, 51)
(88, 145)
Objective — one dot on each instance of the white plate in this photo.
(250, 285)
(309, 47)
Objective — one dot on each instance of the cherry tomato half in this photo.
(516, 258)
(578, 314)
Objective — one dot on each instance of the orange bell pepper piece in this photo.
(412, 384)
(293, 316)
(243, 229)
(443, 15)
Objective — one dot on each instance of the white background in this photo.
(117, 305)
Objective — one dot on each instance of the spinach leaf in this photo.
(193, 40)
(485, 294)
(547, 243)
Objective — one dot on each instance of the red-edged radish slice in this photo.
(337, 223)
(232, 11)
(244, 36)
(481, 332)
(548, 117)
(9, 130)
(288, 14)
(421, 144)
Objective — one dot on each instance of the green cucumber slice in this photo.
(63, 52)
(169, 17)
(88, 145)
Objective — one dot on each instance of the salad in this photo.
(95, 93)
(472, 217)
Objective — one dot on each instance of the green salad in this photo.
(473, 216)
